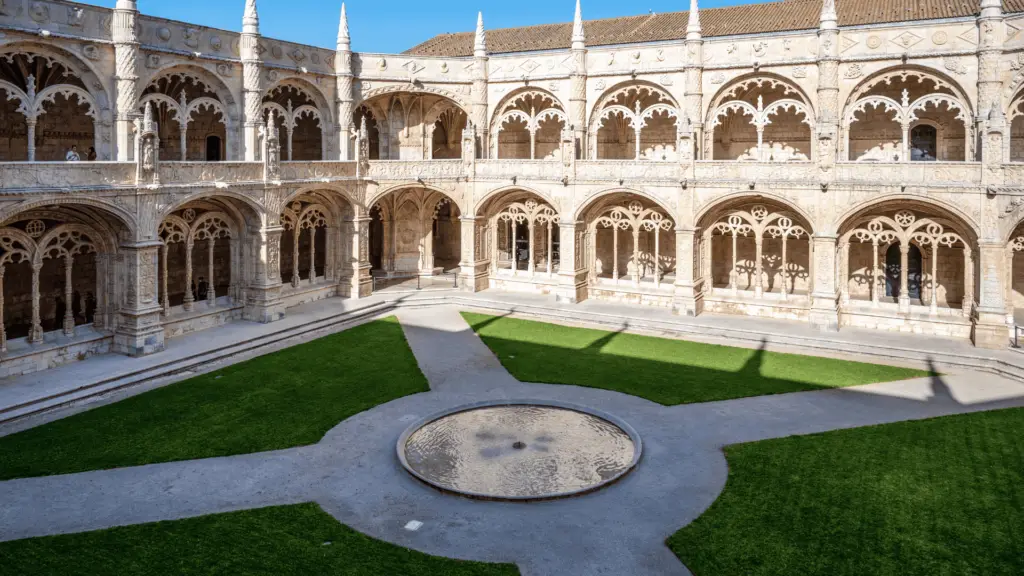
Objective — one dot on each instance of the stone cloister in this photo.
(829, 168)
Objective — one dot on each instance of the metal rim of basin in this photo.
(613, 420)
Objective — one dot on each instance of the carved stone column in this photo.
(252, 83)
(360, 281)
(139, 331)
(263, 297)
(694, 79)
(479, 90)
(126, 55)
(828, 90)
(824, 298)
(685, 299)
(990, 322)
(343, 69)
(473, 265)
(578, 84)
(992, 128)
(572, 274)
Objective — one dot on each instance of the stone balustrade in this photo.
(519, 169)
(57, 176)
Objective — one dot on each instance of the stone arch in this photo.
(414, 230)
(521, 233)
(752, 197)
(755, 249)
(780, 125)
(601, 195)
(310, 111)
(124, 219)
(59, 88)
(216, 91)
(494, 194)
(405, 120)
(946, 243)
(534, 111)
(628, 244)
(342, 200)
(1014, 141)
(252, 215)
(965, 224)
(621, 115)
(459, 201)
(890, 100)
(68, 249)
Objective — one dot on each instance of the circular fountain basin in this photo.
(519, 450)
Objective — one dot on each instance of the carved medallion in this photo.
(874, 42)
(216, 43)
(940, 38)
(164, 34)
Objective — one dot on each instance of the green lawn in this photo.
(663, 370)
(941, 497)
(279, 541)
(285, 399)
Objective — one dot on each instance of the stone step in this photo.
(86, 391)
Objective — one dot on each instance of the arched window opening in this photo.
(907, 116)
(414, 232)
(760, 119)
(638, 122)
(300, 121)
(528, 126)
(198, 259)
(907, 261)
(188, 112)
(46, 112)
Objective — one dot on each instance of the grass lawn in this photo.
(939, 497)
(284, 399)
(278, 541)
(660, 369)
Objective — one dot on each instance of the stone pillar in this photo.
(572, 276)
(990, 320)
(126, 55)
(479, 90)
(263, 296)
(578, 84)
(360, 281)
(345, 81)
(252, 83)
(686, 301)
(139, 330)
(694, 81)
(991, 122)
(473, 266)
(828, 90)
(824, 298)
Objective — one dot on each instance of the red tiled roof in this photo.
(743, 19)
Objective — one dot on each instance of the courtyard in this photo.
(755, 460)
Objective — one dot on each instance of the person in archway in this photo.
(91, 157)
(72, 155)
(202, 290)
(90, 307)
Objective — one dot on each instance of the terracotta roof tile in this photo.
(743, 19)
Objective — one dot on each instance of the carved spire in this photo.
(147, 117)
(579, 38)
(829, 19)
(480, 45)
(251, 19)
(344, 40)
(127, 5)
(693, 25)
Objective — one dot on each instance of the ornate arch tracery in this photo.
(531, 213)
(531, 107)
(903, 229)
(906, 94)
(759, 222)
(183, 96)
(634, 106)
(295, 105)
(761, 97)
(35, 94)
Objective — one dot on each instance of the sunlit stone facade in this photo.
(840, 172)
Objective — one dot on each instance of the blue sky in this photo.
(392, 25)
